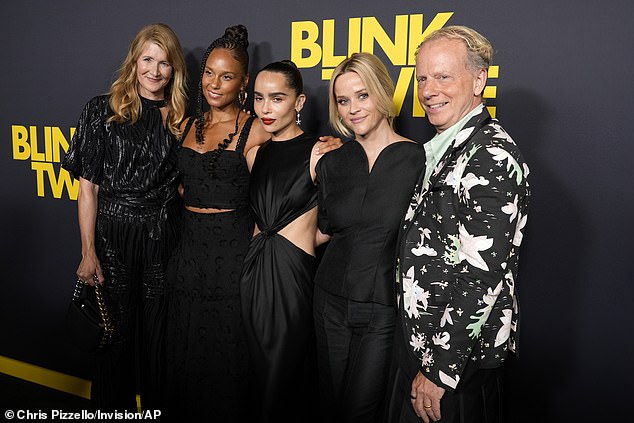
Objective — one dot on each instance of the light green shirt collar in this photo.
(436, 147)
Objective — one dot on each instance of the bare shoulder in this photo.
(189, 139)
(257, 136)
(183, 123)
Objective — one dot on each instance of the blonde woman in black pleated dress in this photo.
(124, 155)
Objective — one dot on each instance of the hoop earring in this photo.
(242, 99)
(298, 120)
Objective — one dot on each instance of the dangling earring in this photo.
(242, 99)
(298, 121)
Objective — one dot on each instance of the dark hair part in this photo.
(236, 40)
(291, 73)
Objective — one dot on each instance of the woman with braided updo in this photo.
(207, 355)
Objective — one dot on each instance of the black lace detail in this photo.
(222, 146)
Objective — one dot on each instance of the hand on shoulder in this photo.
(326, 144)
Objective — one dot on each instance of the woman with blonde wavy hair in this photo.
(124, 155)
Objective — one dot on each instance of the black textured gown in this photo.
(277, 282)
(136, 229)
(207, 357)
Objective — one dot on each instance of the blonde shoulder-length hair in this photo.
(124, 96)
(377, 81)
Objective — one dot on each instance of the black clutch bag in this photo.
(87, 322)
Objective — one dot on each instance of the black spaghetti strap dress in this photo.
(277, 281)
(207, 357)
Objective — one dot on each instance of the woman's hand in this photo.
(321, 238)
(327, 143)
(89, 270)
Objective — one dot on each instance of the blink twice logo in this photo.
(45, 147)
(313, 44)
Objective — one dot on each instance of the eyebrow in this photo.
(363, 90)
(221, 73)
(271, 94)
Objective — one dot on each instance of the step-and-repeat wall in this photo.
(561, 84)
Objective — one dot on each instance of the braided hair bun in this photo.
(238, 34)
(236, 40)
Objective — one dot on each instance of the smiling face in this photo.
(277, 104)
(222, 78)
(153, 71)
(447, 89)
(355, 105)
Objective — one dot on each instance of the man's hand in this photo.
(425, 397)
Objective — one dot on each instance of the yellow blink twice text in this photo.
(309, 50)
(44, 149)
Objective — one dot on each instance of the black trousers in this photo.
(478, 398)
(133, 263)
(354, 347)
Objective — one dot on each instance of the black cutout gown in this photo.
(277, 281)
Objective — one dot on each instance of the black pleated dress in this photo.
(277, 282)
(136, 229)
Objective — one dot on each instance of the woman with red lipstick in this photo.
(124, 154)
(207, 355)
(364, 190)
(277, 279)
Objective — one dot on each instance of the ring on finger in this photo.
(426, 407)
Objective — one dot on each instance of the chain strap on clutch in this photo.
(105, 317)
(97, 317)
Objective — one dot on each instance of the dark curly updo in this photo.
(236, 40)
